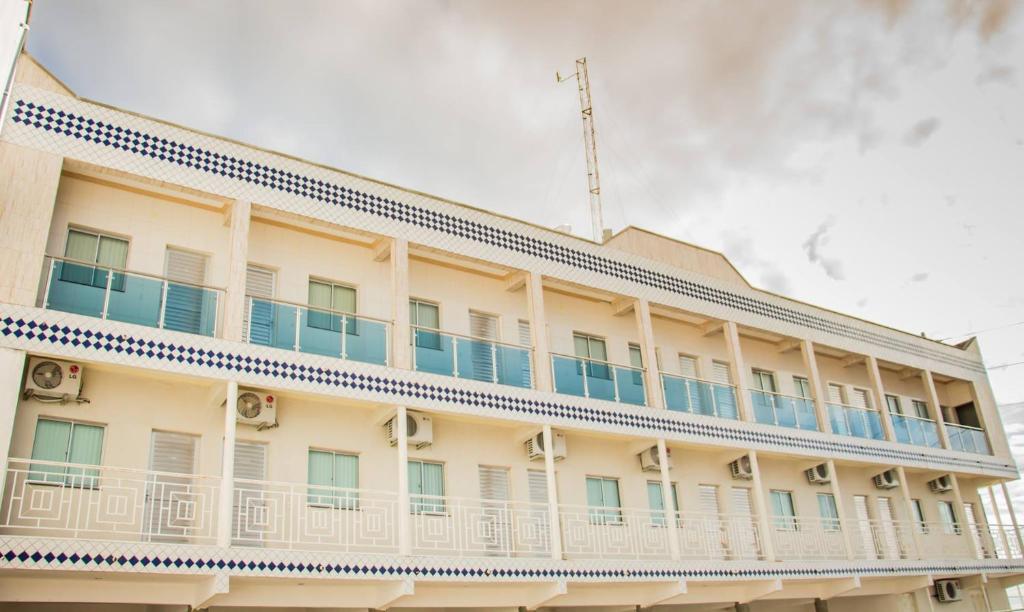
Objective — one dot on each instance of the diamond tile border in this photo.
(85, 338)
(101, 135)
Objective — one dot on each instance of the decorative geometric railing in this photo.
(479, 528)
(799, 538)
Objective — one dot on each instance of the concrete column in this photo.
(961, 509)
(875, 375)
(988, 415)
(538, 332)
(840, 509)
(401, 339)
(238, 260)
(740, 374)
(999, 520)
(28, 182)
(811, 365)
(908, 510)
(668, 501)
(932, 397)
(652, 378)
(12, 365)
(404, 509)
(820, 605)
(1013, 516)
(227, 472)
(554, 520)
(761, 505)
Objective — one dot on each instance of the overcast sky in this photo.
(864, 156)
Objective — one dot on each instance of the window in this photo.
(688, 366)
(893, 403)
(721, 372)
(764, 381)
(948, 518)
(603, 500)
(920, 409)
(337, 471)
(657, 502)
(331, 298)
(590, 347)
(922, 525)
(802, 386)
(106, 251)
(636, 356)
(783, 510)
(426, 487)
(425, 316)
(525, 337)
(860, 399)
(828, 512)
(66, 442)
(836, 394)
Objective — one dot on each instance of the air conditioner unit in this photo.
(942, 484)
(650, 461)
(819, 474)
(419, 429)
(535, 446)
(888, 479)
(257, 408)
(947, 590)
(740, 469)
(53, 379)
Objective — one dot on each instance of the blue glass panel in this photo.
(190, 309)
(900, 429)
(272, 324)
(477, 359)
(837, 418)
(677, 396)
(568, 375)
(763, 409)
(434, 352)
(514, 367)
(858, 425)
(319, 332)
(631, 386)
(725, 401)
(874, 425)
(599, 381)
(785, 411)
(72, 290)
(367, 341)
(805, 415)
(137, 301)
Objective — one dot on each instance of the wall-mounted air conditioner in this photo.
(947, 590)
(52, 379)
(942, 484)
(819, 474)
(256, 408)
(650, 460)
(419, 429)
(741, 469)
(535, 446)
(888, 479)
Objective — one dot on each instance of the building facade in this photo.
(232, 378)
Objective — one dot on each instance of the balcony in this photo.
(797, 538)
(330, 333)
(967, 439)
(855, 421)
(784, 410)
(130, 297)
(469, 357)
(915, 430)
(598, 379)
(699, 396)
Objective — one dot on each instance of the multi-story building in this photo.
(229, 377)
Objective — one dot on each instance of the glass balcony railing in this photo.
(130, 297)
(317, 331)
(855, 421)
(598, 379)
(699, 396)
(915, 430)
(449, 354)
(784, 410)
(967, 439)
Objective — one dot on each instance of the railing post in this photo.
(298, 328)
(908, 509)
(585, 365)
(106, 293)
(933, 405)
(163, 306)
(227, 475)
(494, 362)
(344, 335)
(554, 522)
(404, 511)
(668, 501)
(999, 521)
(817, 391)
(875, 376)
(761, 508)
(455, 353)
(615, 380)
(1013, 517)
(739, 370)
(49, 283)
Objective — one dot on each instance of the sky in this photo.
(865, 156)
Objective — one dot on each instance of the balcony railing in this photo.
(456, 526)
(130, 297)
(68, 500)
(784, 410)
(801, 537)
(317, 331)
(915, 430)
(855, 421)
(470, 357)
(699, 396)
(598, 379)
(967, 439)
(879, 539)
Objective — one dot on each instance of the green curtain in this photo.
(50, 444)
(320, 471)
(346, 476)
(87, 449)
(80, 246)
(426, 480)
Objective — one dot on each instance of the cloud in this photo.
(921, 132)
(919, 277)
(740, 251)
(812, 247)
(995, 74)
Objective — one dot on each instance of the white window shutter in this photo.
(493, 483)
(537, 480)
(835, 394)
(173, 452)
(186, 266)
(525, 339)
(707, 499)
(720, 373)
(860, 399)
(259, 282)
(688, 366)
(250, 460)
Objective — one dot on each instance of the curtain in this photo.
(319, 297)
(50, 444)
(86, 448)
(320, 471)
(346, 476)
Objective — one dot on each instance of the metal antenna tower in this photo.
(590, 144)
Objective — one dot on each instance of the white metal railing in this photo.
(69, 500)
(719, 536)
(313, 517)
(478, 527)
(614, 533)
(803, 537)
(881, 539)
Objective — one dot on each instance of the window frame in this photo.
(696, 365)
(889, 405)
(658, 518)
(922, 522)
(604, 514)
(758, 375)
(950, 524)
(843, 395)
(832, 522)
(417, 503)
(115, 283)
(332, 311)
(784, 522)
(74, 481)
(348, 501)
(801, 384)
(423, 337)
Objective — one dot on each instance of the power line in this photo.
(983, 331)
(1005, 365)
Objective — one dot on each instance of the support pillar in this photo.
(820, 605)
(875, 375)
(933, 406)
(739, 370)
(1013, 516)
(652, 378)
(404, 510)
(811, 365)
(668, 501)
(908, 509)
(538, 332)
(401, 339)
(761, 506)
(235, 301)
(12, 365)
(999, 520)
(549, 473)
(227, 472)
(961, 508)
(837, 493)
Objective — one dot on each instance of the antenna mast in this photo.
(590, 144)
